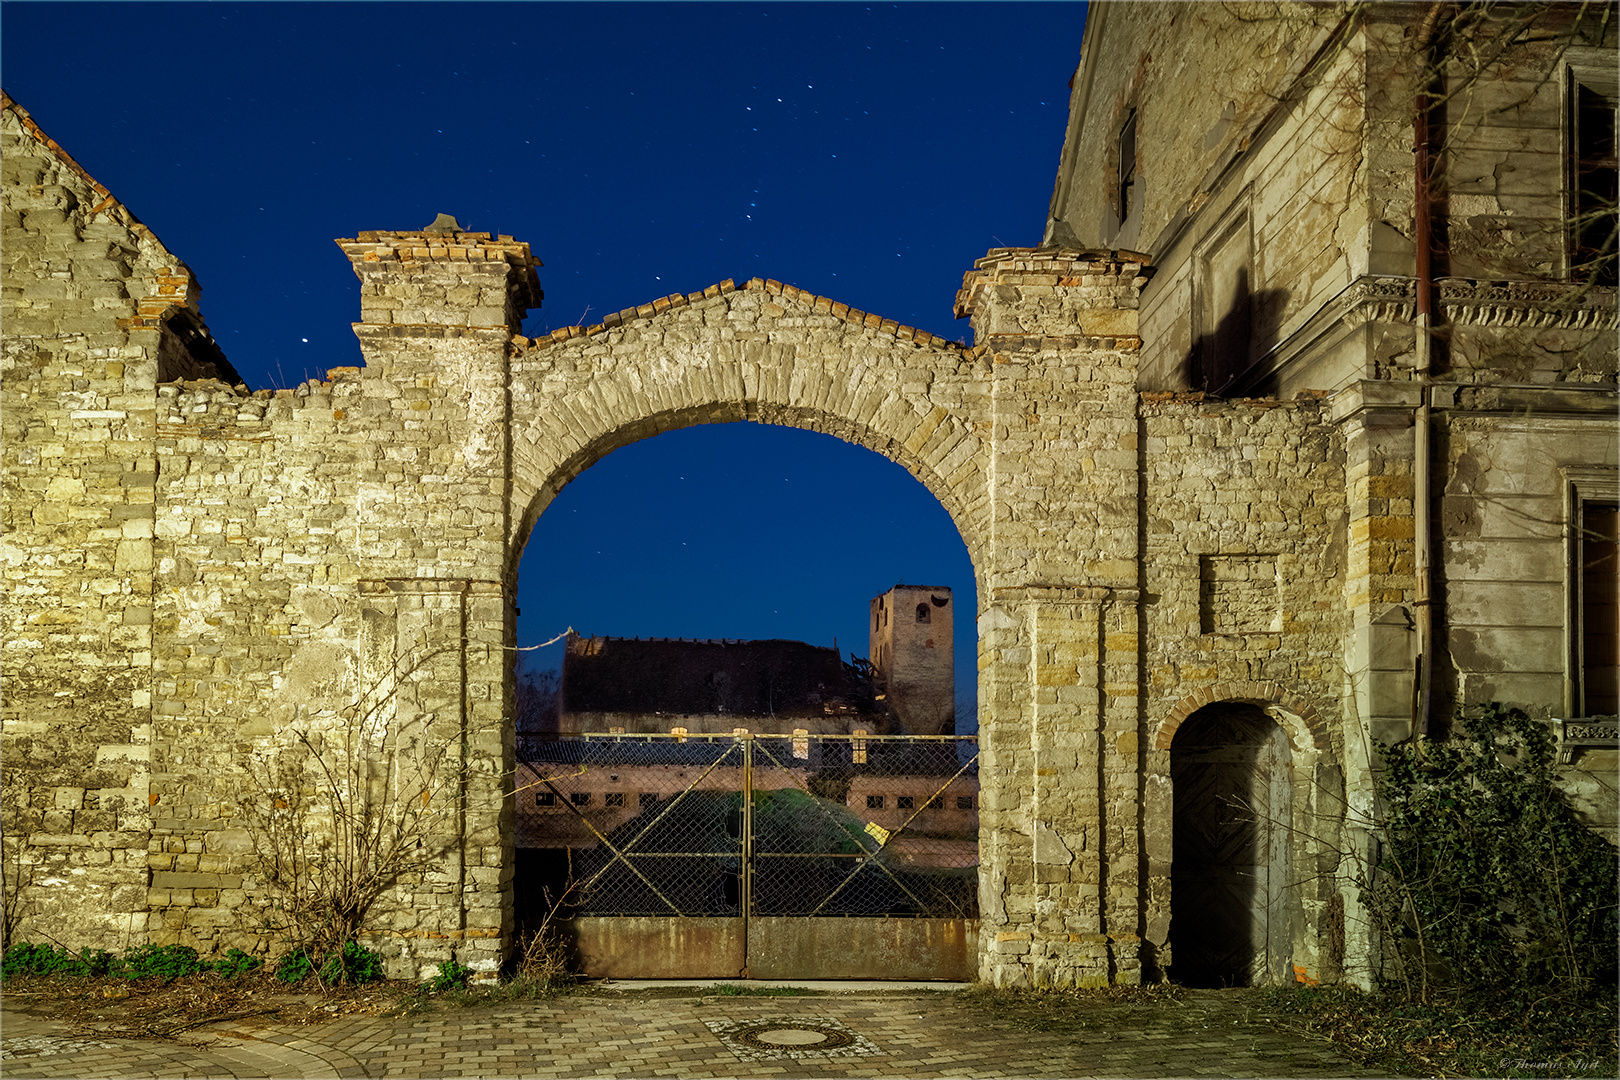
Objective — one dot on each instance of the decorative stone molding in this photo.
(1469, 301)
(1585, 733)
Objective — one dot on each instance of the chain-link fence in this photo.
(725, 825)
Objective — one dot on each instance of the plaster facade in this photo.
(194, 570)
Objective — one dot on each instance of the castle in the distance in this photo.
(722, 686)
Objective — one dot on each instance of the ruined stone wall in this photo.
(337, 562)
(86, 288)
(331, 560)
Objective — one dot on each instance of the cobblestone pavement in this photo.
(910, 1033)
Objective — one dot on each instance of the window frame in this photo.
(1594, 69)
(1583, 485)
(1125, 175)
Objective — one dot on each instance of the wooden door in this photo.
(1229, 910)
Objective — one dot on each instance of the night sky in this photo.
(864, 152)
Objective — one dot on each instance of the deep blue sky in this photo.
(867, 152)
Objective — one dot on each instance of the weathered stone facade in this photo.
(193, 570)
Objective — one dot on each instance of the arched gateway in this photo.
(342, 558)
(1030, 439)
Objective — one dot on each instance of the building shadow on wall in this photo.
(1223, 360)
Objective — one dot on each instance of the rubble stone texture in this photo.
(194, 572)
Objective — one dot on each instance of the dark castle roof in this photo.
(743, 678)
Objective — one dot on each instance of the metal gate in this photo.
(762, 856)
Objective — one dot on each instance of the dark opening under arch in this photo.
(1230, 772)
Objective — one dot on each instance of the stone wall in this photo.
(89, 302)
(201, 579)
(1247, 537)
(1059, 624)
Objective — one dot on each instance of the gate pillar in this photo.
(1061, 814)
(431, 522)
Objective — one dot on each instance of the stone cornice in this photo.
(464, 248)
(1046, 267)
(1474, 302)
(1463, 302)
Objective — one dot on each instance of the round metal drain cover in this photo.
(775, 1035)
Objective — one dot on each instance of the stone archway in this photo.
(992, 431)
(763, 352)
(389, 504)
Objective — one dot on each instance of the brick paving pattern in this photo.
(913, 1034)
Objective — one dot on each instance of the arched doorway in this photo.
(1231, 776)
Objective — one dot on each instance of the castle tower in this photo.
(911, 645)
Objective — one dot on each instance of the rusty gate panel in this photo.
(771, 856)
(652, 947)
(801, 948)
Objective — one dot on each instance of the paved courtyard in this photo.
(907, 1032)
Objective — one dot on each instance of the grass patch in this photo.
(738, 990)
(1474, 1036)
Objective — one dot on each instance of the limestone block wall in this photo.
(331, 561)
(251, 503)
(87, 292)
(1245, 549)
(1059, 668)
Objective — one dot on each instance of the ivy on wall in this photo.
(1487, 881)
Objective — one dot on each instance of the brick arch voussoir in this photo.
(1300, 713)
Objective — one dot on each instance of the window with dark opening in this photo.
(581, 798)
(922, 613)
(613, 798)
(964, 802)
(936, 803)
(1595, 179)
(1600, 609)
(1127, 165)
(545, 798)
(874, 802)
(904, 802)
